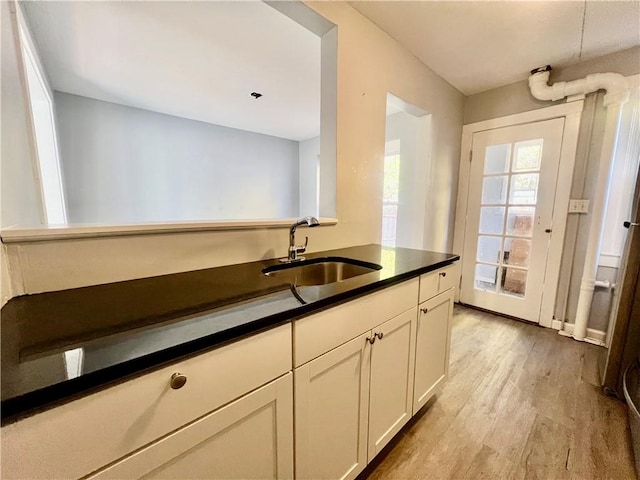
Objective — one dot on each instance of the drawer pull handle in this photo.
(424, 310)
(443, 274)
(372, 340)
(178, 380)
(379, 335)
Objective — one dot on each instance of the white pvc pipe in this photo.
(596, 226)
(617, 94)
(614, 84)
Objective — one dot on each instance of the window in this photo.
(623, 179)
(390, 193)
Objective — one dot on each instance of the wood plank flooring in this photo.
(522, 402)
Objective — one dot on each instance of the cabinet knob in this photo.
(379, 335)
(424, 310)
(372, 340)
(443, 274)
(178, 380)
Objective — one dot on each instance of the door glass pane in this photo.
(524, 189)
(489, 249)
(517, 251)
(496, 159)
(514, 282)
(491, 220)
(486, 276)
(520, 221)
(494, 190)
(527, 155)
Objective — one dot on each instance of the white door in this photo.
(432, 347)
(512, 189)
(391, 384)
(332, 407)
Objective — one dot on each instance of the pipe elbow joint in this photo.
(538, 85)
(613, 83)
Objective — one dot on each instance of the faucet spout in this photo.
(293, 249)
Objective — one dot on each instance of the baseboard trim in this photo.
(596, 337)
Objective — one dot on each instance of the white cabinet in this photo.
(84, 435)
(251, 437)
(353, 399)
(338, 352)
(332, 405)
(432, 347)
(391, 379)
(362, 369)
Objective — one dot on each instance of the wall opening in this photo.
(407, 170)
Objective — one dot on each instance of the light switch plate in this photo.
(578, 206)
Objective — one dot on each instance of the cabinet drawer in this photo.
(252, 437)
(81, 436)
(433, 283)
(448, 278)
(319, 333)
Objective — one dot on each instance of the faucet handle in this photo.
(302, 248)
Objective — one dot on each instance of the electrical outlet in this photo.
(578, 206)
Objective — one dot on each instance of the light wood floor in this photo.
(521, 402)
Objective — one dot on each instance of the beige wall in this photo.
(515, 98)
(370, 64)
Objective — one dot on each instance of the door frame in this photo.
(572, 113)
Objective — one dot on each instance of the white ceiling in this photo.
(197, 60)
(479, 45)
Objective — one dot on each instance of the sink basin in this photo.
(320, 271)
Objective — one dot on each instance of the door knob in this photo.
(630, 224)
(177, 380)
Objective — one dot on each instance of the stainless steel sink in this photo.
(320, 271)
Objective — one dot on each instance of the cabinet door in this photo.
(432, 347)
(251, 437)
(332, 402)
(391, 379)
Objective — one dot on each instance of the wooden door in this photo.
(251, 437)
(433, 339)
(391, 379)
(332, 404)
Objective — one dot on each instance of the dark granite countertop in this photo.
(57, 346)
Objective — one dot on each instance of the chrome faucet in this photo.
(294, 250)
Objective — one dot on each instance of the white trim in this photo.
(554, 111)
(609, 260)
(28, 55)
(596, 337)
(16, 18)
(44, 233)
(560, 212)
(572, 112)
